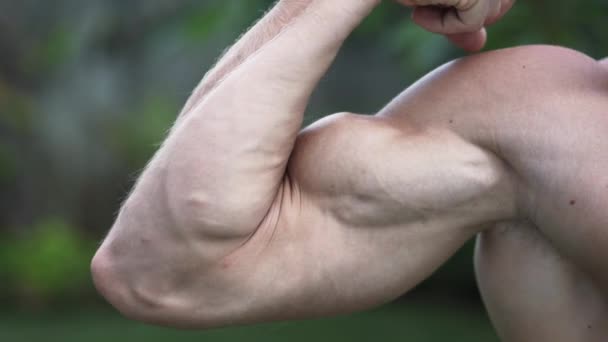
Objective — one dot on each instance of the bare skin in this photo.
(463, 22)
(241, 218)
(542, 272)
(535, 293)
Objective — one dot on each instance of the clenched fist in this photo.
(462, 21)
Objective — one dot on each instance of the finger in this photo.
(471, 42)
(449, 20)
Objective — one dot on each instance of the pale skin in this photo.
(242, 218)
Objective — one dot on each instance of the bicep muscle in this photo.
(366, 211)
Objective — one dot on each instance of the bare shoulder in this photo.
(498, 88)
(538, 78)
(553, 133)
(549, 122)
(543, 110)
(543, 62)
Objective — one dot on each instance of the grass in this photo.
(420, 322)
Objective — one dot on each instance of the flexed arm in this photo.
(240, 218)
(213, 182)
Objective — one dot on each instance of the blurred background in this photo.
(88, 90)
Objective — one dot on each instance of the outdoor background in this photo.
(89, 88)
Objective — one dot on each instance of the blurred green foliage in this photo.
(47, 262)
(413, 321)
(88, 89)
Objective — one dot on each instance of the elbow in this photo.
(110, 285)
(142, 292)
(128, 291)
(150, 273)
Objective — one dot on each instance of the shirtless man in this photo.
(240, 219)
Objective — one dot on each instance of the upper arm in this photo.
(367, 211)
(371, 171)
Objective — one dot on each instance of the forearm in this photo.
(214, 180)
(147, 204)
(147, 214)
(233, 144)
(267, 28)
(228, 155)
(223, 145)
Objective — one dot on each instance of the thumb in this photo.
(471, 42)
